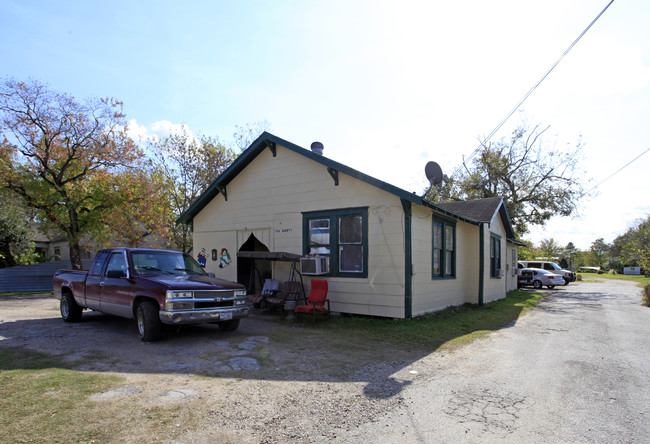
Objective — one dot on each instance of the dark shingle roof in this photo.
(480, 210)
(483, 211)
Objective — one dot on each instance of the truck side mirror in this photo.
(116, 274)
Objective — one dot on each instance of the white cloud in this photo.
(157, 130)
(136, 131)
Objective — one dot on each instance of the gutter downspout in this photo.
(481, 266)
(408, 260)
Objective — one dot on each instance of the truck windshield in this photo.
(165, 262)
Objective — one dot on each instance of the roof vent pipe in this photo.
(317, 148)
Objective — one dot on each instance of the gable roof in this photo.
(269, 141)
(483, 211)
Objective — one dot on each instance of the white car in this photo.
(538, 278)
(569, 276)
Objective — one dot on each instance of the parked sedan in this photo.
(538, 278)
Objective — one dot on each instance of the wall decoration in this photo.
(215, 254)
(201, 258)
(225, 258)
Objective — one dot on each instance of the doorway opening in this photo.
(251, 272)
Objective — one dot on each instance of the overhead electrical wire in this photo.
(615, 173)
(498, 127)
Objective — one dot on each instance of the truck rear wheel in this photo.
(70, 310)
(149, 325)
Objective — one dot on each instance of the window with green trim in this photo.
(340, 235)
(495, 255)
(444, 248)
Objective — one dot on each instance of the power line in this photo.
(614, 174)
(531, 90)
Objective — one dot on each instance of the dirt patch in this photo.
(270, 381)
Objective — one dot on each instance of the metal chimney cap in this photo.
(317, 148)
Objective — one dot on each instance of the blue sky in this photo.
(385, 85)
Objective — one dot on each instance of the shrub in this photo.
(645, 296)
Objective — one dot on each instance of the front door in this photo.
(115, 287)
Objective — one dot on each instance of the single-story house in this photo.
(390, 252)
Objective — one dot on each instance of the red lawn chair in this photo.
(317, 301)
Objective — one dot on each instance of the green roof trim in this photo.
(268, 140)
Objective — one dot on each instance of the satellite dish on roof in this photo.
(433, 173)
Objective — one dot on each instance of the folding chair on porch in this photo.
(317, 302)
(270, 289)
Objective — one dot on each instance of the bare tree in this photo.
(537, 181)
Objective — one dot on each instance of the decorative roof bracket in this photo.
(222, 190)
(335, 175)
(271, 145)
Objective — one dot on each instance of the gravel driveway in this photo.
(573, 370)
(266, 382)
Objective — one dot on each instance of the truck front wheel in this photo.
(70, 310)
(149, 325)
(231, 325)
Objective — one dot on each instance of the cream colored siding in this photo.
(435, 294)
(495, 288)
(511, 268)
(270, 195)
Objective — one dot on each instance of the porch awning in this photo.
(270, 255)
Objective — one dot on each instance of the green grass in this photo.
(43, 401)
(447, 329)
(593, 277)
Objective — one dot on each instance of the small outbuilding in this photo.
(383, 250)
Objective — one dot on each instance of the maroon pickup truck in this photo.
(155, 287)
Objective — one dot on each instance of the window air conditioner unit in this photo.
(314, 265)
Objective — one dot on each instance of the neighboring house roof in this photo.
(484, 211)
(474, 210)
(49, 237)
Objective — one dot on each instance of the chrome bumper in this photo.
(199, 316)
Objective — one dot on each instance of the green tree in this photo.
(599, 252)
(64, 157)
(187, 166)
(526, 253)
(580, 259)
(143, 217)
(568, 253)
(16, 233)
(537, 181)
(549, 249)
(633, 246)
